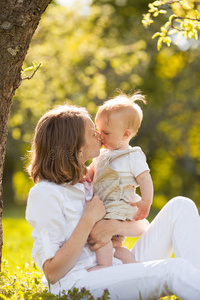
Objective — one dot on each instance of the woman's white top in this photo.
(54, 211)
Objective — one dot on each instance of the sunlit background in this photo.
(88, 49)
(83, 7)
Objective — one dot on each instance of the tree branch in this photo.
(36, 69)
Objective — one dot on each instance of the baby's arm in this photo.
(146, 187)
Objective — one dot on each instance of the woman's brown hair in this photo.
(59, 136)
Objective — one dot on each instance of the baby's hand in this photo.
(86, 178)
(143, 210)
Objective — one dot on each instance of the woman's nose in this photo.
(98, 135)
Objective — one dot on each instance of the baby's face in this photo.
(112, 132)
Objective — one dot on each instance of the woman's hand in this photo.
(104, 230)
(101, 234)
(95, 209)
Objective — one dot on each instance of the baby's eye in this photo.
(106, 133)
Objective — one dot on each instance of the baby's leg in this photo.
(104, 257)
(124, 255)
(121, 252)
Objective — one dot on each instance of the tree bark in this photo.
(18, 22)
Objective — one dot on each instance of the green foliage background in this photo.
(85, 59)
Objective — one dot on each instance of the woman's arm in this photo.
(104, 230)
(66, 257)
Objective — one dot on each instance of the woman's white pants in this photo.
(176, 228)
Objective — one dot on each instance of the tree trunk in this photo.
(18, 22)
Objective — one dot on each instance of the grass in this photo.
(20, 277)
(17, 243)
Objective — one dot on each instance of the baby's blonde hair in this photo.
(125, 105)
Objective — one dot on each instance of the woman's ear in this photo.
(127, 134)
(80, 155)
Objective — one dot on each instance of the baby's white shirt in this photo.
(133, 163)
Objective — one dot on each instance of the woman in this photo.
(64, 217)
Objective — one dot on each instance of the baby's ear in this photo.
(127, 134)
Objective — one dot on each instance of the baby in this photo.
(119, 169)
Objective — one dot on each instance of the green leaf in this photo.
(172, 31)
(156, 34)
(162, 11)
(159, 43)
(171, 17)
(157, 3)
(28, 69)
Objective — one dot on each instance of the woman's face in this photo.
(93, 144)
